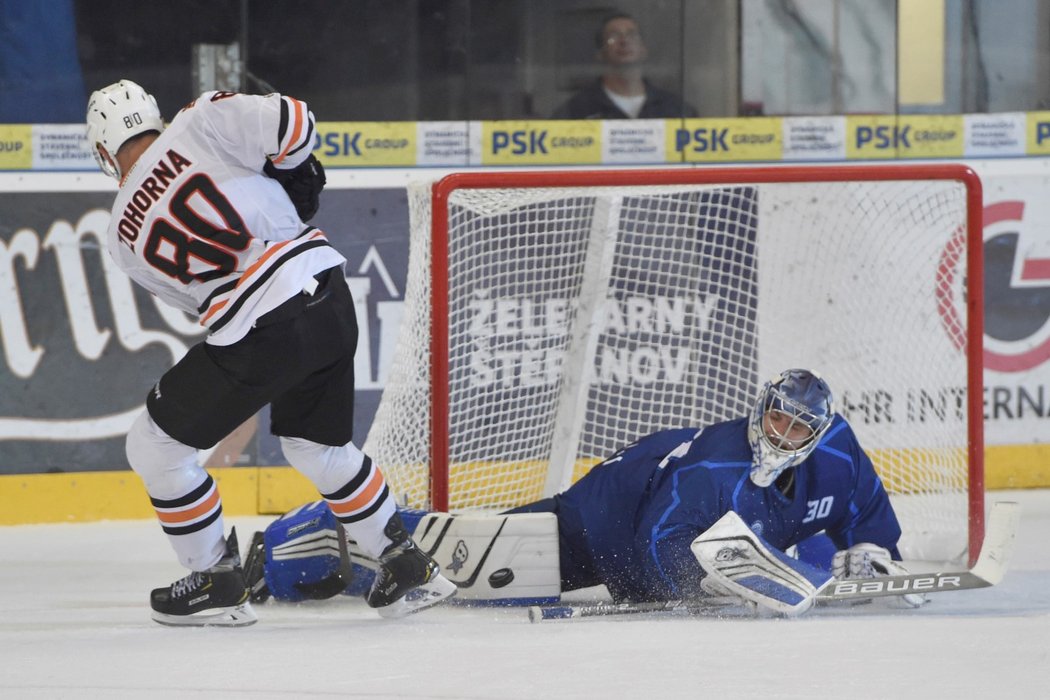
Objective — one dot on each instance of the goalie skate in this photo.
(216, 597)
(408, 579)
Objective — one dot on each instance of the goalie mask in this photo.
(790, 416)
(115, 114)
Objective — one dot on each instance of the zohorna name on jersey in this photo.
(152, 188)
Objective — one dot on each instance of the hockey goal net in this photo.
(551, 318)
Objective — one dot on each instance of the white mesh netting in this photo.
(581, 319)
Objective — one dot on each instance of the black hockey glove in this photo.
(303, 183)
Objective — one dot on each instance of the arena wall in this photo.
(82, 346)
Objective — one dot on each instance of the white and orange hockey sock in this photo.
(183, 494)
(194, 526)
(352, 485)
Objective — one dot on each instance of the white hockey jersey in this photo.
(197, 222)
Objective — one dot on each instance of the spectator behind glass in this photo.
(622, 92)
(40, 76)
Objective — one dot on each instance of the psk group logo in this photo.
(1016, 289)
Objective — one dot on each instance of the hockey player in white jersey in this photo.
(210, 218)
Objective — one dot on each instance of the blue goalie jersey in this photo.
(630, 521)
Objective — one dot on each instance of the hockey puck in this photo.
(500, 578)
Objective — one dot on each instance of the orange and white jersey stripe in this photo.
(295, 132)
(195, 511)
(361, 496)
(276, 275)
(197, 222)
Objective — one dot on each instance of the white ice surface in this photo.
(74, 623)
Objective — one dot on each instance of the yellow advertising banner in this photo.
(872, 136)
(556, 142)
(932, 135)
(16, 146)
(1038, 134)
(725, 140)
(827, 139)
(882, 136)
(375, 144)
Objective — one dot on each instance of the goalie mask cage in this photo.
(553, 317)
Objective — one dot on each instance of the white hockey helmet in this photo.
(800, 409)
(115, 114)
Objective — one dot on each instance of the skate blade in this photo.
(235, 616)
(426, 596)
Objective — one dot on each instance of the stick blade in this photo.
(1000, 539)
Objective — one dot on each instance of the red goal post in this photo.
(552, 317)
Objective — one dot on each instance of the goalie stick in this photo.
(539, 613)
(988, 571)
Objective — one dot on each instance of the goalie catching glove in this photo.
(303, 183)
(867, 560)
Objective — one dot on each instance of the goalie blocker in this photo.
(492, 559)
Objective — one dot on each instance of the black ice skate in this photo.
(254, 569)
(408, 580)
(216, 597)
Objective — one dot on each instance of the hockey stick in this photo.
(565, 611)
(988, 571)
(996, 551)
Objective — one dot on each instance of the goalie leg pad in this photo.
(502, 559)
(508, 559)
(305, 555)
